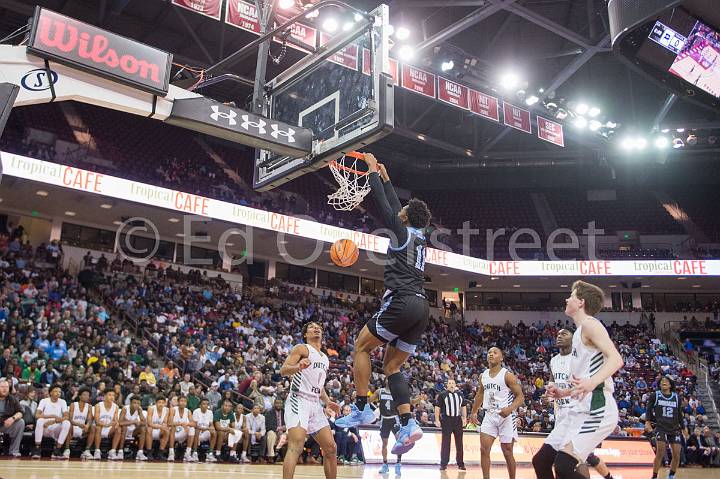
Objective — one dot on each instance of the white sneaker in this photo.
(171, 455)
(141, 456)
(244, 458)
(210, 457)
(98, 455)
(120, 456)
(66, 454)
(112, 456)
(86, 454)
(194, 457)
(188, 455)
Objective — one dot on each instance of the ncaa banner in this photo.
(209, 8)
(242, 15)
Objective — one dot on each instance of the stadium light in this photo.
(330, 25)
(611, 124)
(402, 33)
(390, 30)
(593, 112)
(677, 143)
(594, 125)
(661, 142)
(580, 122)
(509, 80)
(692, 139)
(531, 100)
(581, 109)
(406, 53)
(285, 4)
(447, 66)
(665, 130)
(680, 130)
(640, 143)
(357, 17)
(348, 26)
(627, 144)
(561, 114)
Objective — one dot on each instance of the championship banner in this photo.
(418, 81)
(101, 184)
(393, 64)
(550, 131)
(453, 93)
(91, 49)
(615, 452)
(484, 105)
(242, 15)
(348, 57)
(209, 8)
(516, 117)
(300, 32)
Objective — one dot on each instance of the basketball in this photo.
(344, 253)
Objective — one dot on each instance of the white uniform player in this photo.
(157, 419)
(496, 396)
(80, 415)
(594, 416)
(106, 415)
(182, 430)
(180, 420)
(51, 415)
(303, 407)
(560, 369)
(203, 420)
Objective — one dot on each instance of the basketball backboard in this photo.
(347, 101)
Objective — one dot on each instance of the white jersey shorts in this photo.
(78, 432)
(504, 428)
(591, 421)
(306, 413)
(559, 432)
(181, 435)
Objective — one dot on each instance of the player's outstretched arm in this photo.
(390, 218)
(296, 361)
(517, 391)
(390, 193)
(595, 332)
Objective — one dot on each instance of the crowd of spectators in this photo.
(171, 334)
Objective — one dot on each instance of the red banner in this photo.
(347, 57)
(393, 66)
(242, 15)
(418, 81)
(484, 105)
(550, 131)
(516, 117)
(300, 32)
(453, 93)
(209, 8)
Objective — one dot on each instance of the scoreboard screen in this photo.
(667, 37)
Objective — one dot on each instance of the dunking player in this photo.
(307, 367)
(499, 394)
(594, 360)
(560, 369)
(403, 317)
(664, 409)
(389, 422)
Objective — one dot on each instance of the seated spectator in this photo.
(11, 418)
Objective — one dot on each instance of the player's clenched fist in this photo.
(304, 363)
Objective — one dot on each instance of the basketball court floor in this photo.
(29, 469)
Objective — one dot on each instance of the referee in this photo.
(451, 417)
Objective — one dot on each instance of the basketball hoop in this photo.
(354, 184)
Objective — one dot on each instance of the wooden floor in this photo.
(46, 469)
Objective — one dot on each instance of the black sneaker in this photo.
(442, 468)
(36, 453)
(461, 467)
(233, 460)
(57, 454)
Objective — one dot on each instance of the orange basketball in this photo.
(344, 253)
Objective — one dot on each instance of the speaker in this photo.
(8, 94)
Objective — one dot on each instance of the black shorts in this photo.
(401, 321)
(668, 437)
(387, 426)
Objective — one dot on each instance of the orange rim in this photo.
(340, 166)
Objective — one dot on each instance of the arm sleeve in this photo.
(390, 219)
(650, 412)
(392, 197)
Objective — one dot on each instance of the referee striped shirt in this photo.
(451, 404)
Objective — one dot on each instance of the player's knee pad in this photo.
(592, 460)
(543, 460)
(399, 388)
(565, 465)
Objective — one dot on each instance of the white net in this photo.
(354, 184)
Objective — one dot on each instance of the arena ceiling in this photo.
(561, 46)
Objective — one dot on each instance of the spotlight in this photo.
(581, 109)
(330, 25)
(406, 53)
(561, 114)
(531, 100)
(677, 143)
(594, 111)
(594, 125)
(692, 139)
(402, 33)
(285, 4)
(447, 66)
(661, 142)
(680, 130)
(611, 124)
(357, 17)
(509, 81)
(665, 130)
(313, 14)
(627, 143)
(580, 122)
